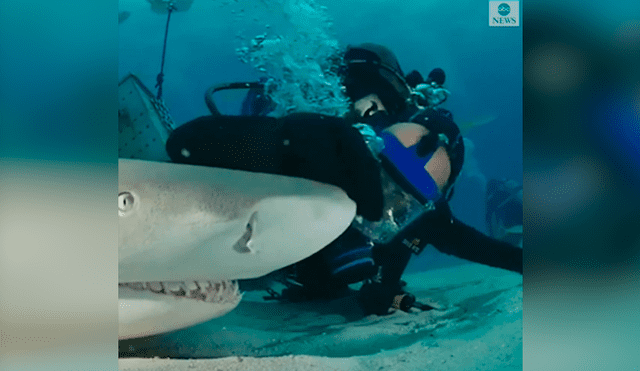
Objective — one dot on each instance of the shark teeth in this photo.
(134, 285)
(156, 287)
(176, 288)
(207, 291)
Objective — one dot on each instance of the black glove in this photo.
(377, 298)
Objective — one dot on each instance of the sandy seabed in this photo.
(477, 325)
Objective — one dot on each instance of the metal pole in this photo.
(160, 78)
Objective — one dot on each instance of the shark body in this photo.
(188, 232)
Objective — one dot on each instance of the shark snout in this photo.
(184, 222)
(281, 231)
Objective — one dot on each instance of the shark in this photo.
(187, 233)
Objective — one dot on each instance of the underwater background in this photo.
(59, 169)
(225, 41)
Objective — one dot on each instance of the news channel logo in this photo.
(504, 13)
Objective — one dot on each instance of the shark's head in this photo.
(187, 232)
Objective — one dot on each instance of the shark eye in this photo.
(125, 202)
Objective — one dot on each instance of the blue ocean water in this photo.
(483, 66)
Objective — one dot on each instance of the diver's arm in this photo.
(377, 297)
(468, 243)
(453, 237)
(393, 257)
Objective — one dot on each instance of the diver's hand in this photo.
(405, 301)
(377, 298)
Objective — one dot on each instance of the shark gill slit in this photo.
(243, 244)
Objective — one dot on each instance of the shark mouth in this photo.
(205, 291)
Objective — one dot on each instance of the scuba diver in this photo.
(396, 160)
(408, 139)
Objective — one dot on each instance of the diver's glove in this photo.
(405, 301)
(378, 298)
